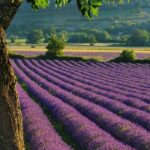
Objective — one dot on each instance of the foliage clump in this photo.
(55, 46)
(35, 36)
(103, 36)
(126, 56)
(92, 40)
(13, 39)
(139, 38)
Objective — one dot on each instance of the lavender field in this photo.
(102, 106)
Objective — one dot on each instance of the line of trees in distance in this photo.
(139, 37)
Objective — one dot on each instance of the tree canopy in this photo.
(87, 7)
(139, 38)
(35, 36)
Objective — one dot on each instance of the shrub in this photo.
(126, 56)
(55, 46)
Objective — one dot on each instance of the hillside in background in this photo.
(70, 19)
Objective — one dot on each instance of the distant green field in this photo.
(81, 48)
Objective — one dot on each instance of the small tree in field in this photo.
(55, 46)
(126, 56)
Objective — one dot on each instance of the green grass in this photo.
(67, 58)
(13, 55)
(27, 145)
(144, 61)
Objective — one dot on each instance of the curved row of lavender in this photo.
(118, 127)
(98, 55)
(84, 131)
(39, 131)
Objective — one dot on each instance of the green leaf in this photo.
(88, 8)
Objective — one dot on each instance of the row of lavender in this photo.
(39, 131)
(112, 116)
(98, 55)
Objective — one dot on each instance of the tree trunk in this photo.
(11, 127)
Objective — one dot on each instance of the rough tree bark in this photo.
(11, 128)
